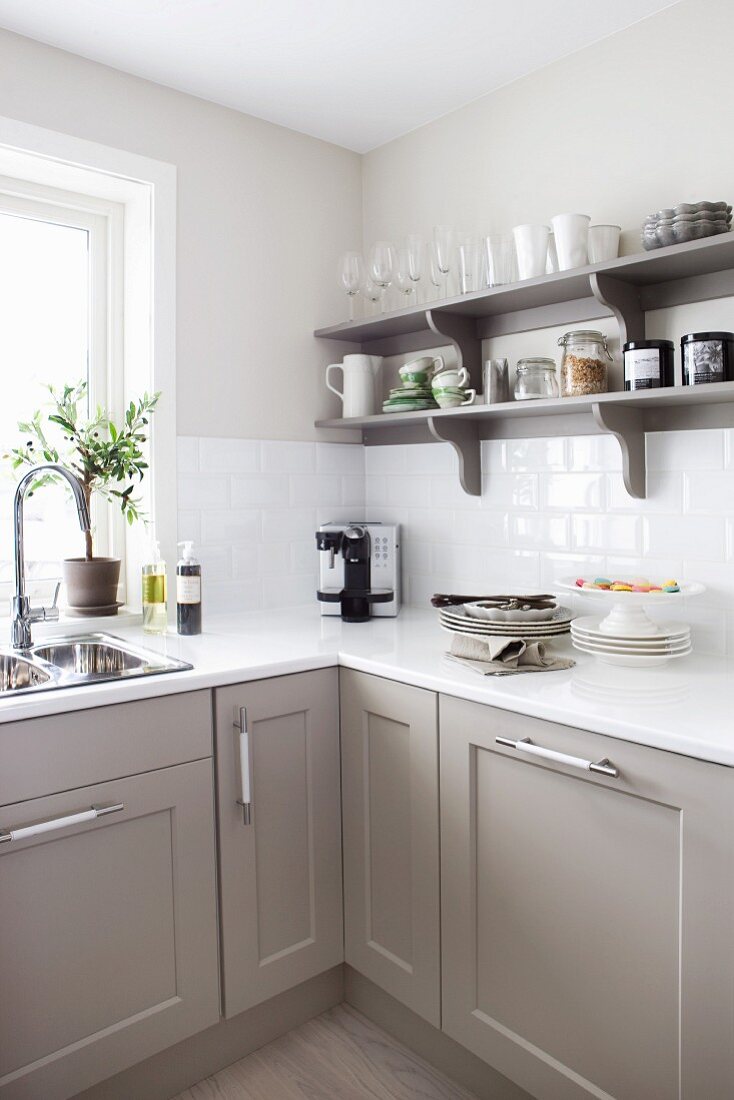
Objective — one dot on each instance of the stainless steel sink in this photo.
(17, 674)
(79, 660)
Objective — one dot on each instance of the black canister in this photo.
(648, 364)
(707, 357)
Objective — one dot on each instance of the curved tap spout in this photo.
(23, 616)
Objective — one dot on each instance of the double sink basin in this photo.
(76, 661)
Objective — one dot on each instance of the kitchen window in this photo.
(60, 322)
(87, 291)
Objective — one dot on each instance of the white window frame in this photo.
(137, 196)
(104, 222)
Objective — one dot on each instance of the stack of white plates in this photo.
(631, 650)
(460, 620)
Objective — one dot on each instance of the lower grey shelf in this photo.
(626, 416)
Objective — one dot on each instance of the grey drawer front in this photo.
(41, 756)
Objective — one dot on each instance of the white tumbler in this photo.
(571, 232)
(531, 244)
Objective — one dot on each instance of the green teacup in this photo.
(415, 378)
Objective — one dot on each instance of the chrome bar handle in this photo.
(23, 832)
(602, 767)
(245, 799)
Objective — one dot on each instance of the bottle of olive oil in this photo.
(155, 608)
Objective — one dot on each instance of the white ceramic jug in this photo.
(359, 377)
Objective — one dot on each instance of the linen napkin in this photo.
(504, 656)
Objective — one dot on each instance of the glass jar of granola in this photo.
(584, 363)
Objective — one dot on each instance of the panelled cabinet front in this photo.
(391, 838)
(587, 918)
(108, 927)
(280, 852)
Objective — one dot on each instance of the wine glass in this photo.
(415, 247)
(372, 292)
(434, 271)
(381, 266)
(443, 239)
(351, 276)
(403, 279)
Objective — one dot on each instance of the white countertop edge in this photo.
(237, 649)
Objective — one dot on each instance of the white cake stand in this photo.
(627, 617)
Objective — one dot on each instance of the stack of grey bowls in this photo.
(686, 222)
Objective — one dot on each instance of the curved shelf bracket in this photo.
(627, 426)
(464, 438)
(624, 302)
(461, 332)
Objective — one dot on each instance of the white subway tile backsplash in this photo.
(606, 533)
(539, 531)
(699, 538)
(203, 492)
(550, 508)
(280, 457)
(697, 450)
(710, 491)
(534, 455)
(316, 489)
(509, 491)
(229, 456)
(260, 489)
(573, 492)
(340, 458)
(187, 454)
(233, 527)
(664, 494)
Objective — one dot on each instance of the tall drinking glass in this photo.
(469, 264)
(351, 277)
(500, 259)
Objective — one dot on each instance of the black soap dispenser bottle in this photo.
(188, 592)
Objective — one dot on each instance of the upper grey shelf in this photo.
(624, 288)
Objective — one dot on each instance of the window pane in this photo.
(44, 338)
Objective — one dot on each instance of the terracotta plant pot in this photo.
(91, 586)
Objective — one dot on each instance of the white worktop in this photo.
(685, 706)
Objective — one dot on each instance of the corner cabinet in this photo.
(587, 918)
(391, 838)
(108, 941)
(279, 834)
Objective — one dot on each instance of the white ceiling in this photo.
(355, 72)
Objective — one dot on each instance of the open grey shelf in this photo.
(626, 416)
(624, 288)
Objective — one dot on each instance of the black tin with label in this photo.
(707, 357)
(648, 364)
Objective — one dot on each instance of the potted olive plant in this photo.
(107, 458)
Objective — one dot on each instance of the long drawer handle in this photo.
(245, 799)
(603, 767)
(23, 832)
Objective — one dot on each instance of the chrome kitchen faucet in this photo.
(23, 613)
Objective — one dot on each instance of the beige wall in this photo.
(263, 213)
(636, 122)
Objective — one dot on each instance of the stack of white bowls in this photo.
(631, 650)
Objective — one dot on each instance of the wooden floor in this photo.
(338, 1056)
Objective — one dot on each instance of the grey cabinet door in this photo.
(391, 838)
(108, 949)
(587, 920)
(280, 875)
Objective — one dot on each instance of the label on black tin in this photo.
(703, 361)
(642, 368)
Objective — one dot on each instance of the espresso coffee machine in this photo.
(359, 570)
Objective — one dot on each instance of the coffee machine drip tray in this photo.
(355, 603)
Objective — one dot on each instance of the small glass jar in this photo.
(536, 378)
(584, 363)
